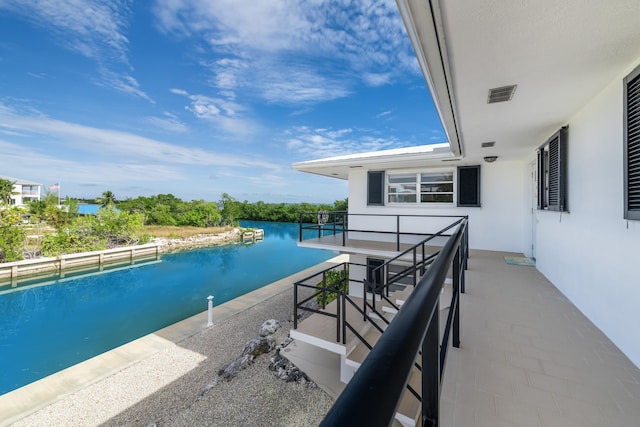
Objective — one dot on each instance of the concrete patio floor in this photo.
(529, 357)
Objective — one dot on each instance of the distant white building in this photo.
(25, 191)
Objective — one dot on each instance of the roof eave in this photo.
(423, 23)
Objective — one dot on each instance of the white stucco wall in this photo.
(498, 225)
(590, 254)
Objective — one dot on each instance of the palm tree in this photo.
(6, 191)
(108, 200)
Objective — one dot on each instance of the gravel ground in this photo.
(179, 386)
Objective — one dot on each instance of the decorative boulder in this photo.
(269, 327)
(257, 346)
(287, 371)
(232, 368)
(252, 349)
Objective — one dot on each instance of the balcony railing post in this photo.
(300, 223)
(398, 233)
(464, 244)
(345, 227)
(431, 371)
(295, 305)
(334, 223)
(339, 320)
(456, 297)
(365, 285)
(324, 289)
(415, 268)
(344, 320)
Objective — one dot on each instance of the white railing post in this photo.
(210, 311)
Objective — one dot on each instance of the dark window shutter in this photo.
(632, 145)
(552, 172)
(469, 185)
(372, 264)
(541, 181)
(375, 188)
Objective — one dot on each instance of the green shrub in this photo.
(334, 280)
(12, 235)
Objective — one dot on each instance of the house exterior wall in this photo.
(498, 225)
(591, 252)
(17, 197)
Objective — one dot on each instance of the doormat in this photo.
(514, 260)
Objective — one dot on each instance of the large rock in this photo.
(269, 327)
(252, 349)
(287, 371)
(257, 346)
(232, 368)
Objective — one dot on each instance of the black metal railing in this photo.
(420, 261)
(314, 300)
(319, 292)
(398, 229)
(413, 333)
(323, 223)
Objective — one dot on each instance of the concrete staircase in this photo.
(334, 368)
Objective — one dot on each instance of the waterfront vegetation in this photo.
(337, 281)
(47, 228)
(166, 209)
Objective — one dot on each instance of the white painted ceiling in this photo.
(560, 53)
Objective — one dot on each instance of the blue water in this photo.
(90, 208)
(47, 328)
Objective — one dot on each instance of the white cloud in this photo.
(309, 144)
(281, 49)
(225, 115)
(168, 122)
(120, 146)
(376, 79)
(122, 83)
(92, 28)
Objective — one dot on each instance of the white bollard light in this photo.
(210, 311)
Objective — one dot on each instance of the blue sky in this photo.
(201, 97)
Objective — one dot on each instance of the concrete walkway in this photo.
(529, 357)
(19, 403)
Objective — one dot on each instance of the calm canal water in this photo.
(47, 328)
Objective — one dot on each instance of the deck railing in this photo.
(421, 259)
(398, 229)
(413, 333)
(308, 291)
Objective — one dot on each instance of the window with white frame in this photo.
(420, 187)
(436, 187)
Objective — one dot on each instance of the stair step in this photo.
(360, 351)
(410, 407)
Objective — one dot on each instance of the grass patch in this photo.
(174, 232)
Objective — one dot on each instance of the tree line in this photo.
(61, 229)
(167, 209)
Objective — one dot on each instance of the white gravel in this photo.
(166, 389)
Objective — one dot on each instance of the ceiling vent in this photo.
(501, 94)
(488, 144)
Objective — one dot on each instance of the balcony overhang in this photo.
(409, 157)
(559, 54)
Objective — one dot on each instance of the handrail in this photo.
(340, 225)
(384, 374)
(321, 277)
(415, 266)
